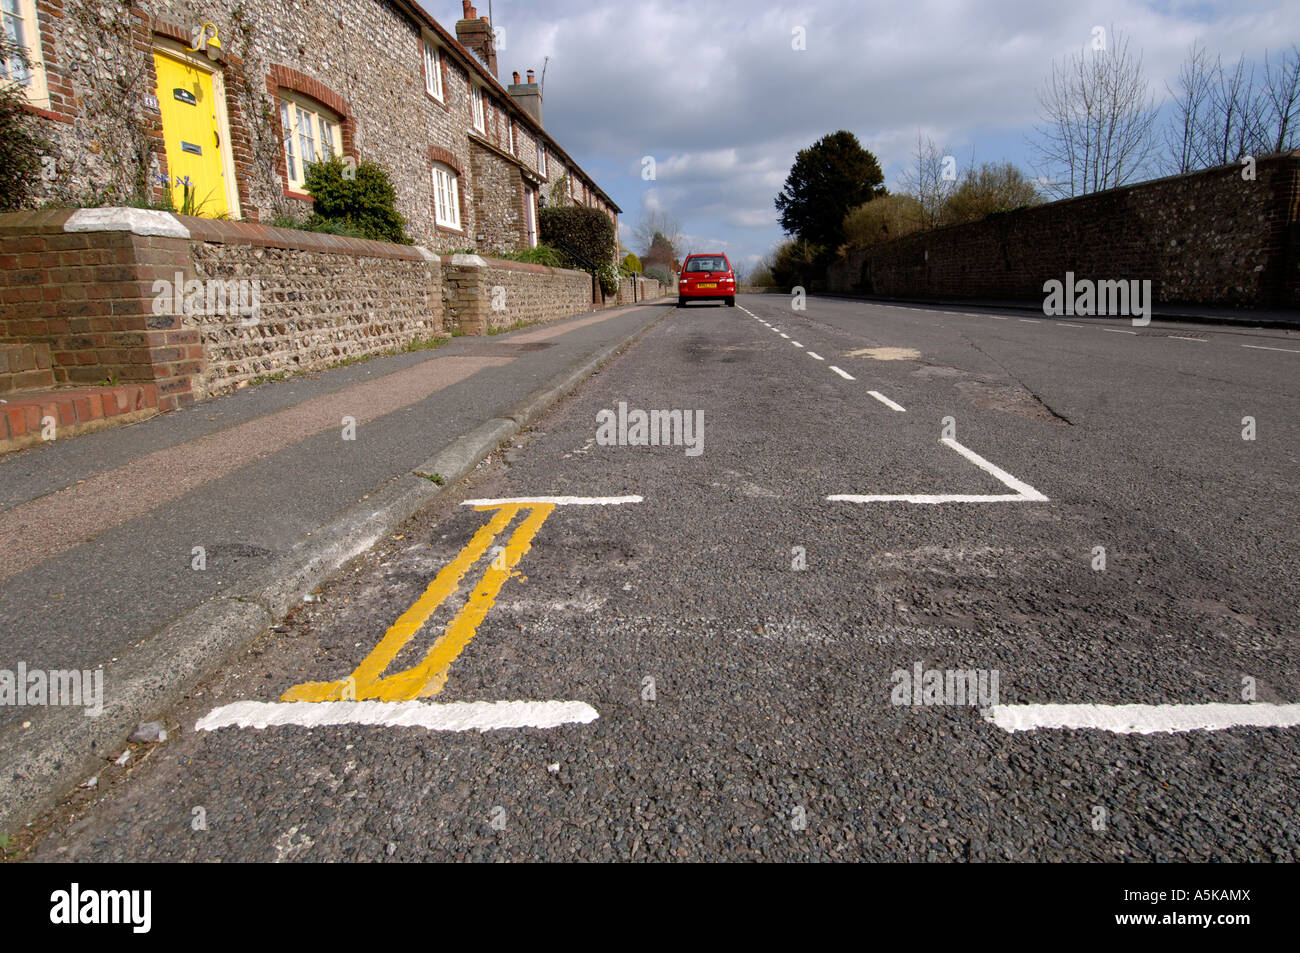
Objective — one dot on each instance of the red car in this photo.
(706, 278)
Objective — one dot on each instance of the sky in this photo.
(719, 97)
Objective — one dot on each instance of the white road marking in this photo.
(1024, 492)
(435, 716)
(1260, 347)
(995, 317)
(1064, 325)
(843, 373)
(796, 344)
(1118, 331)
(886, 401)
(815, 356)
(557, 500)
(1175, 337)
(784, 335)
(1029, 321)
(1144, 719)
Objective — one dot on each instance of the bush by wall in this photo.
(360, 197)
(584, 236)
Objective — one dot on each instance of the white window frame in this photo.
(433, 70)
(37, 91)
(321, 127)
(530, 215)
(513, 150)
(541, 159)
(477, 113)
(446, 196)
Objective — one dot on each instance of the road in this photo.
(724, 652)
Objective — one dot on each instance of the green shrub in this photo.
(360, 198)
(540, 255)
(607, 275)
(660, 272)
(315, 224)
(583, 236)
(21, 146)
(631, 265)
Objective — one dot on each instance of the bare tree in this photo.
(931, 180)
(1237, 115)
(1184, 138)
(656, 222)
(1282, 91)
(1096, 120)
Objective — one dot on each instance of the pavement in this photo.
(155, 550)
(681, 655)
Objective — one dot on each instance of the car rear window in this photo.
(706, 264)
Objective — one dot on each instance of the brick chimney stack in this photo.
(528, 95)
(475, 34)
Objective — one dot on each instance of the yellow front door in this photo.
(192, 136)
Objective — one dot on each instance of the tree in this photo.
(661, 252)
(930, 180)
(1191, 102)
(797, 262)
(656, 224)
(993, 187)
(890, 216)
(1096, 118)
(829, 178)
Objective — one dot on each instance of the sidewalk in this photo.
(98, 533)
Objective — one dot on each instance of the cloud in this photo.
(718, 96)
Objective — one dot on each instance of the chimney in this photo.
(475, 34)
(515, 74)
(528, 95)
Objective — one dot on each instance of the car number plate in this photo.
(711, 284)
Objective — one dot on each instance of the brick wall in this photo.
(93, 299)
(482, 294)
(1207, 238)
(646, 289)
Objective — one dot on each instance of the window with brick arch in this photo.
(311, 134)
(446, 196)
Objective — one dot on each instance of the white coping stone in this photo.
(425, 253)
(138, 221)
(468, 261)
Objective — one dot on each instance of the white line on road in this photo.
(1144, 719)
(435, 716)
(557, 500)
(1064, 325)
(1175, 337)
(796, 344)
(1029, 321)
(995, 317)
(784, 335)
(1024, 492)
(1260, 347)
(815, 356)
(843, 373)
(1118, 331)
(885, 400)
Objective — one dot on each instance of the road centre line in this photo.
(844, 374)
(1175, 337)
(435, 716)
(796, 344)
(1029, 321)
(886, 401)
(815, 356)
(1024, 492)
(1118, 331)
(784, 335)
(1144, 719)
(1260, 347)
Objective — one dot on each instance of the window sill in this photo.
(295, 194)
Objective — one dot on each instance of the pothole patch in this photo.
(887, 353)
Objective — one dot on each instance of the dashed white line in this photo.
(815, 356)
(1175, 337)
(784, 335)
(434, 716)
(796, 344)
(1260, 347)
(1029, 321)
(886, 401)
(1118, 331)
(995, 317)
(1144, 719)
(1064, 325)
(843, 373)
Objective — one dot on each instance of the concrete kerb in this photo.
(44, 762)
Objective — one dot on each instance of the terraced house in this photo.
(236, 98)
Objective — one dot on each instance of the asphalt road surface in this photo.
(722, 661)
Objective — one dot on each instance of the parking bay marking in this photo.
(1144, 719)
(368, 684)
(1024, 492)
